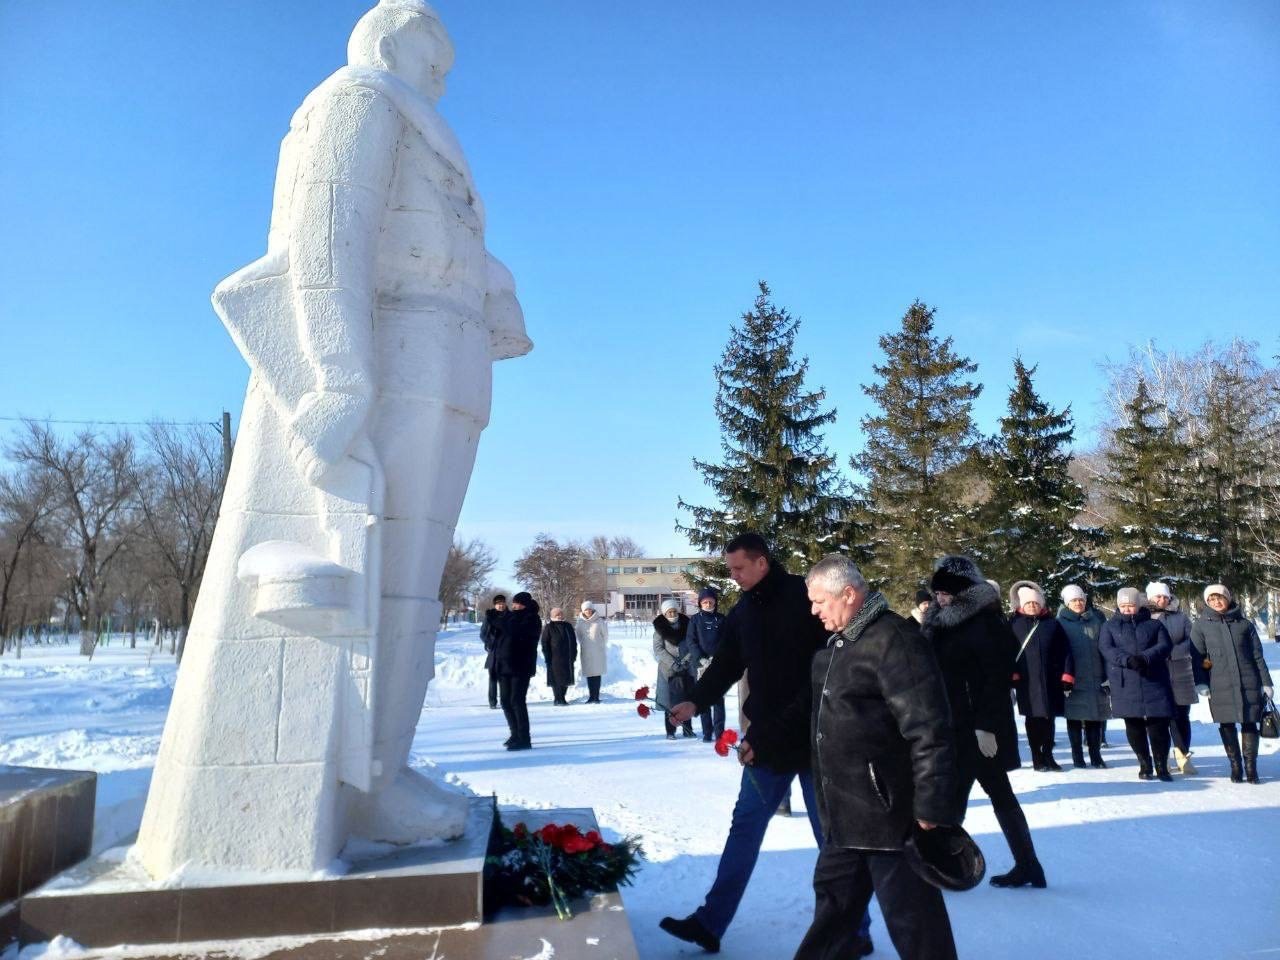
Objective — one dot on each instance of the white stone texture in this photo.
(370, 326)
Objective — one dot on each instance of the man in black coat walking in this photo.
(515, 661)
(884, 761)
(489, 637)
(771, 633)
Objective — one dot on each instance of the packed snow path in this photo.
(1181, 870)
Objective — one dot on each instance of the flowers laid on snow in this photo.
(554, 864)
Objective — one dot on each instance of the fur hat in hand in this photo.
(955, 574)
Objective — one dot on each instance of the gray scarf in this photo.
(872, 607)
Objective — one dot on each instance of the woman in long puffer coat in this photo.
(1232, 674)
(975, 649)
(677, 663)
(559, 650)
(1164, 607)
(593, 646)
(1086, 709)
(1136, 650)
(1043, 671)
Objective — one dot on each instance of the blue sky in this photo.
(1060, 180)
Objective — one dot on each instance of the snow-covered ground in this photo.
(1181, 870)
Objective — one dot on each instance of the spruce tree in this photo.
(1029, 528)
(918, 449)
(1146, 483)
(1230, 468)
(775, 476)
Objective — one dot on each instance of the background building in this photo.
(636, 586)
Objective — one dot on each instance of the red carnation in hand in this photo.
(643, 710)
(722, 748)
(642, 693)
(730, 737)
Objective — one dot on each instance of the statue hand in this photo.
(323, 429)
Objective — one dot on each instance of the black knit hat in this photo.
(523, 598)
(955, 574)
(923, 596)
(500, 598)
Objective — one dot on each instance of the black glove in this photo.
(1135, 663)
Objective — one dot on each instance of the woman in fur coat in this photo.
(1043, 672)
(1087, 709)
(677, 662)
(975, 650)
(593, 644)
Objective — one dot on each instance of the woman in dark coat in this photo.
(677, 662)
(704, 638)
(1043, 671)
(975, 649)
(1086, 709)
(515, 661)
(559, 651)
(1232, 674)
(1136, 650)
(1164, 607)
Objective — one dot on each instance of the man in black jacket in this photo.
(772, 633)
(489, 637)
(515, 661)
(884, 761)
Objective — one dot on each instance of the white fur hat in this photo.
(588, 605)
(668, 605)
(1027, 594)
(1072, 592)
(1216, 588)
(1157, 589)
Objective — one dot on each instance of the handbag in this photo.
(1269, 725)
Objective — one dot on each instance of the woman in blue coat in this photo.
(1136, 650)
(1043, 670)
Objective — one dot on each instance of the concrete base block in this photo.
(46, 825)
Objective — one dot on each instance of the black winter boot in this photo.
(1074, 734)
(1162, 769)
(1093, 734)
(1231, 742)
(1026, 870)
(1249, 742)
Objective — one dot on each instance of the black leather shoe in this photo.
(1019, 876)
(692, 931)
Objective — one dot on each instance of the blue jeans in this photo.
(759, 795)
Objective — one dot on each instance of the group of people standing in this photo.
(1147, 664)
(683, 646)
(512, 635)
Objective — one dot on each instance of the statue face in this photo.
(420, 54)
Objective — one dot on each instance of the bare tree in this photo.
(466, 569)
(555, 573)
(26, 499)
(93, 482)
(602, 547)
(179, 489)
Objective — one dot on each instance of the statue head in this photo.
(406, 38)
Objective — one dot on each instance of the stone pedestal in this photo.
(46, 826)
(416, 903)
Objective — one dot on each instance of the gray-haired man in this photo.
(883, 761)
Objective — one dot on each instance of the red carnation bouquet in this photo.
(643, 707)
(730, 741)
(554, 864)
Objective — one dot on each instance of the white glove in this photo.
(1202, 689)
(1106, 685)
(1269, 691)
(987, 745)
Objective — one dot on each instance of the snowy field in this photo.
(1136, 870)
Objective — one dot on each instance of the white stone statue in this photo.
(370, 326)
